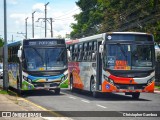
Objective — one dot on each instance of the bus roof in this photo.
(138, 33)
(44, 39)
(14, 43)
(101, 37)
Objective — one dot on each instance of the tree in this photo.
(98, 16)
(1, 42)
(88, 20)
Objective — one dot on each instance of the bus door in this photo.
(99, 67)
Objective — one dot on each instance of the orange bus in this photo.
(113, 62)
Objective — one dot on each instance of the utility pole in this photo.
(50, 20)
(26, 26)
(51, 27)
(12, 38)
(33, 24)
(5, 51)
(45, 19)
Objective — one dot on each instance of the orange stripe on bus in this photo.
(122, 80)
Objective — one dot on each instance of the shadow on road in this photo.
(40, 93)
(103, 96)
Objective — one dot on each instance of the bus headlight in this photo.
(150, 80)
(64, 77)
(108, 79)
(25, 78)
(111, 81)
(29, 80)
(105, 77)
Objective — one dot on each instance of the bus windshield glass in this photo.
(39, 59)
(128, 56)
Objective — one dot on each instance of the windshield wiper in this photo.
(60, 54)
(39, 55)
(122, 50)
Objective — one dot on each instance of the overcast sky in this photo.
(61, 11)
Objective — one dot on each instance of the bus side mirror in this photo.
(19, 54)
(100, 48)
(68, 54)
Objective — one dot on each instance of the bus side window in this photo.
(85, 51)
(80, 52)
(70, 49)
(75, 52)
(94, 50)
(90, 52)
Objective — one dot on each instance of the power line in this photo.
(70, 12)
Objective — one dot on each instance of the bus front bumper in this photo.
(107, 87)
(47, 86)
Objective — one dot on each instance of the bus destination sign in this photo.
(40, 43)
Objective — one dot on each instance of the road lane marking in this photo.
(72, 98)
(101, 106)
(86, 101)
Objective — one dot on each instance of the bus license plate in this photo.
(131, 87)
(47, 85)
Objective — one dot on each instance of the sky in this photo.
(61, 11)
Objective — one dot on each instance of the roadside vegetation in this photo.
(157, 87)
(98, 16)
(7, 92)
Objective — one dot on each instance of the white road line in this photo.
(86, 101)
(72, 98)
(101, 106)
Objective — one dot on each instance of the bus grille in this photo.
(126, 86)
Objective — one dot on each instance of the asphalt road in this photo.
(82, 104)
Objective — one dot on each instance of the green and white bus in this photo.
(38, 64)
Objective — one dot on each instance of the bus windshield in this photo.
(128, 57)
(40, 59)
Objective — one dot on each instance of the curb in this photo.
(157, 91)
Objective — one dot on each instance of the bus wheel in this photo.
(71, 83)
(135, 95)
(93, 88)
(57, 91)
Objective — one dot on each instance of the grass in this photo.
(6, 92)
(158, 87)
(3, 92)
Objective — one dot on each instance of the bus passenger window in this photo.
(94, 50)
(90, 51)
(85, 51)
(75, 52)
(80, 52)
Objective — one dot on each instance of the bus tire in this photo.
(57, 91)
(71, 84)
(93, 88)
(135, 95)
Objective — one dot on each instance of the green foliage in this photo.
(1, 42)
(99, 16)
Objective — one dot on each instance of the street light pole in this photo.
(33, 24)
(45, 19)
(5, 52)
(26, 26)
